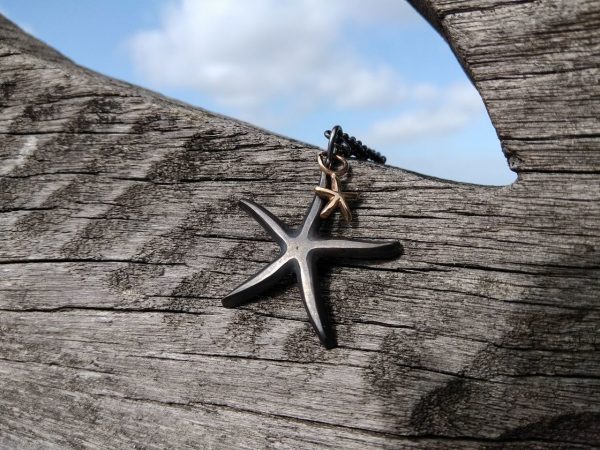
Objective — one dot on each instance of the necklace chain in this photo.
(349, 147)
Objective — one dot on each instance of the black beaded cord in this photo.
(349, 147)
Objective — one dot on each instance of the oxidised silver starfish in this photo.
(300, 250)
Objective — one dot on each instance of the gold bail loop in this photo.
(330, 172)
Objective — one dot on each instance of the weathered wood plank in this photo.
(535, 62)
(119, 234)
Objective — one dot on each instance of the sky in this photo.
(296, 67)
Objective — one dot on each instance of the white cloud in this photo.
(453, 109)
(268, 61)
(246, 54)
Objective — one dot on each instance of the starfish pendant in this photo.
(300, 250)
(334, 196)
(335, 199)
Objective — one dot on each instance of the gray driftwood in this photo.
(119, 234)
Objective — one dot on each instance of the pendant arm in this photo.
(277, 229)
(256, 284)
(312, 221)
(306, 272)
(354, 248)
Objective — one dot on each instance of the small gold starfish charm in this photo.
(334, 196)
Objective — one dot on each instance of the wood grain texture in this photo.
(119, 234)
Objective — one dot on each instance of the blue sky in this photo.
(295, 67)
